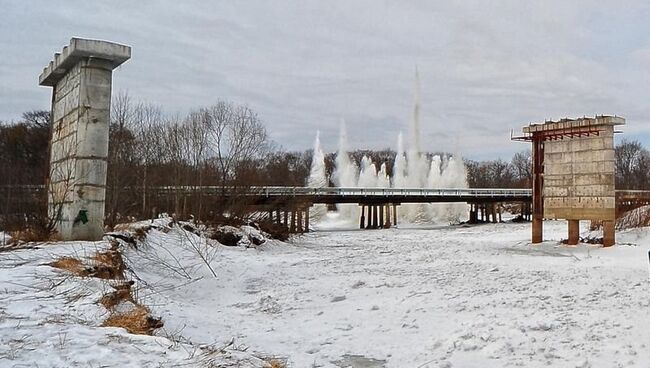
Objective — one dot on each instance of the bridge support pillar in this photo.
(381, 215)
(368, 217)
(278, 217)
(362, 219)
(473, 217)
(299, 228)
(608, 233)
(81, 77)
(574, 230)
(376, 219)
(394, 215)
(537, 228)
(306, 229)
(292, 226)
(387, 209)
(371, 221)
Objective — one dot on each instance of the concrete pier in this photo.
(574, 173)
(81, 77)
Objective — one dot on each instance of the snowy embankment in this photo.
(439, 297)
(52, 317)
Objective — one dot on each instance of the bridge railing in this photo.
(425, 192)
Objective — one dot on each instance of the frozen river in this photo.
(439, 297)
(477, 296)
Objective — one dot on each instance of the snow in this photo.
(437, 296)
(49, 318)
(4, 238)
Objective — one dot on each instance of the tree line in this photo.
(225, 144)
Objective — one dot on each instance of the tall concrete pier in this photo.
(573, 174)
(81, 77)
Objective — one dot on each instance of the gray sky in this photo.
(486, 66)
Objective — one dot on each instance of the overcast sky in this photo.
(486, 66)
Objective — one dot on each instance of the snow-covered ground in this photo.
(440, 296)
(50, 318)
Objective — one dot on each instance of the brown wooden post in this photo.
(306, 229)
(574, 231)
(609, 237)
(538, 187)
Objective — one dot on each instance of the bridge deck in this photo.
(387, 195)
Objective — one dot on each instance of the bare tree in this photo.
(148, 130)
(632, 165)
(236, 136)
(198, 130)
(522, 165)
(121, 155)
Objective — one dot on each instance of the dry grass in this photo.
(109, 264)
(136, 321)
(275, 363)
(110, 300)
(72, 265)
(33, 235)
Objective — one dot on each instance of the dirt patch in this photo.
(227, 235)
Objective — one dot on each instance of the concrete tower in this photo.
(81, 77)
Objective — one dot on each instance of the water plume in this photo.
(411, 169)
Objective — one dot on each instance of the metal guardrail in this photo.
(387, 192)
(279, 191)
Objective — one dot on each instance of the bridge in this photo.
(329, 195)
(289, 206)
